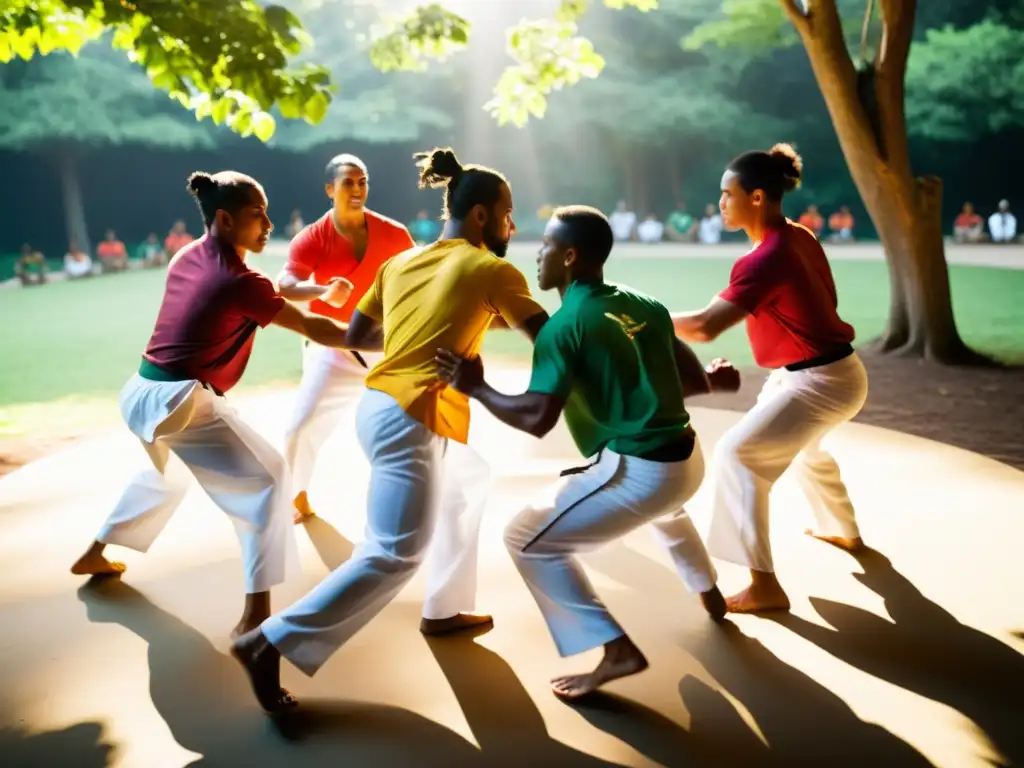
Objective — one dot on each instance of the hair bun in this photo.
(439, 167)
(200, 183)
(790, 164)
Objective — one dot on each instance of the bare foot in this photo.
(758, 598)
(262, 663)
(302, 508)
(714, 603)
(621, 659)
(94, 564)
(848, 545)
(456, 623)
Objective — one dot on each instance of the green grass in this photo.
(73, 344)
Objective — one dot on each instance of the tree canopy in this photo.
(224, 60)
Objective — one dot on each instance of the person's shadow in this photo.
(925, 649)
(802, 722)
(77, 746)
(205, 699)
(510, 729)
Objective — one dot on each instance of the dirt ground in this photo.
(978, 410)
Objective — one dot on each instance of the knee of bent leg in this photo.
(521, 531)
(400, 559)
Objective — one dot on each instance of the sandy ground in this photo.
(911, 657)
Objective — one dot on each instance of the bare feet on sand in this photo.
(456, 623)
(262, 663)
(714, 603)
(302, 509)
(621, 659)
(93, 563)
(763, 595)
(849, 545)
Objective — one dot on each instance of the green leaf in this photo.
(221, 109)
(315, 109)
(263, 126)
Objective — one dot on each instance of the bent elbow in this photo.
(543, 424)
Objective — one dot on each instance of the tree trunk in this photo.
(867, 110)
(75, 227)
(675, 177)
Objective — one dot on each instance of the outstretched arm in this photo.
(719, 376)
(709, 323)
(530, 412)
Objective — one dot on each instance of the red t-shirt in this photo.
(967, 220)
(320, 250)
(212, 305)
(785, 284)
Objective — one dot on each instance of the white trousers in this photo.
(332, 380)
(414, 486)
(240, 471)
(615, 496)
(794, 411)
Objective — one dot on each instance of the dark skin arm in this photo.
(364, 333)
(719, 376)
(530, 412)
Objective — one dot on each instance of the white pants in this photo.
(615, 496)
(794, 411)
(414, 486)
(239, 470)
(332, 380)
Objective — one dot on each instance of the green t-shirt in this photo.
(680, 221)
(609, 351)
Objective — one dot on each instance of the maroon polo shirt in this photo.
(213, 304)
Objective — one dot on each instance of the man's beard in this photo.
(498, 247)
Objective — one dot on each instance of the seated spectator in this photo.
(969, 227)
(623, 222)
(710, 227)
(77, 263)
(112, 253)
(295, 224)
(423, 229)
(177, 239)
(31, 268)
(150, 252)
(1003, 224)
(812, 220)
(650, 230)
(680, 225)
(841, 224)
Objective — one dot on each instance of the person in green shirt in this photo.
(679, 225)
(608, 360)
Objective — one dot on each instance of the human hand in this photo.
(463, 374)
(723, 376)
(338, 292)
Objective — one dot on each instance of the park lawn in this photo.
(68, 347)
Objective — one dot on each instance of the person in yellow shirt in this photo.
(444, 295)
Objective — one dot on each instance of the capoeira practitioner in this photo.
(213, 304)
(446, 294)
(784, 289)
(349, 242)
(600, 360)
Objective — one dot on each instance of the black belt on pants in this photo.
(834, 356)
(680, 450)
(154, 372)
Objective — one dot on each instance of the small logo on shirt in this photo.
(629, 326)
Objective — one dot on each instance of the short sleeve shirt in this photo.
(785, 285)
(213, 303)
(609, 351)
(322, 252)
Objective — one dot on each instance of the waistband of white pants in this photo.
(839, 353)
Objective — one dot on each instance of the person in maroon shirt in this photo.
(212, 305)
(783, 288)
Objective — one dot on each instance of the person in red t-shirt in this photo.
(783, 288)
(350, 243)
(212, 305)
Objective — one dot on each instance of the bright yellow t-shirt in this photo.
(443, 296)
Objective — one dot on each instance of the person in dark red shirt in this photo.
(212, 306)
(783, 288)
(348, 243)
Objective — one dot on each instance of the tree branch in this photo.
(795, 10)
(897, 33)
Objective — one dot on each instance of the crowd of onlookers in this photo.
(111, 255)
(681, 226)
